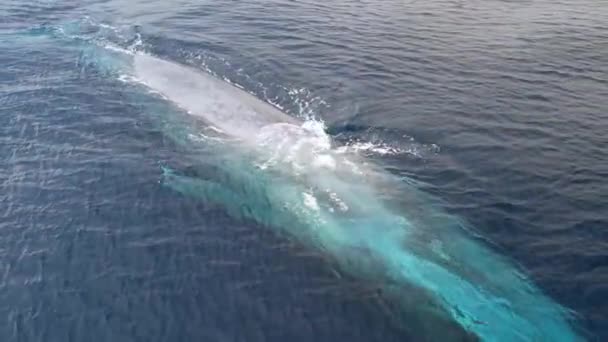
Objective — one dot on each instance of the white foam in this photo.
(126, 78)
(310, 201)
(341, 205)
(366, 146)
(325, 161)
(385, 149)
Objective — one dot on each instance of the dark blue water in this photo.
(500, 108)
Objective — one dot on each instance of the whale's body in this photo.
(289, 178)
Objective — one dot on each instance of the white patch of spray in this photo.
(310, 201)
(337, 201)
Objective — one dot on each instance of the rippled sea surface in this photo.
(500, 108)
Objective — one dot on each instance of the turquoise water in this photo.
(128, 219)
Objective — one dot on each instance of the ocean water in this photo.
(497, 109)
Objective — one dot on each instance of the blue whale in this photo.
(285, 174)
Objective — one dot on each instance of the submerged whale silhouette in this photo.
(284, 174)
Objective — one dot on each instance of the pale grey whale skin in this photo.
(341, 213)
(221, 104)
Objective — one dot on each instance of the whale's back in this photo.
(232, 110)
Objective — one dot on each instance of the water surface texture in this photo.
(496, 110)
